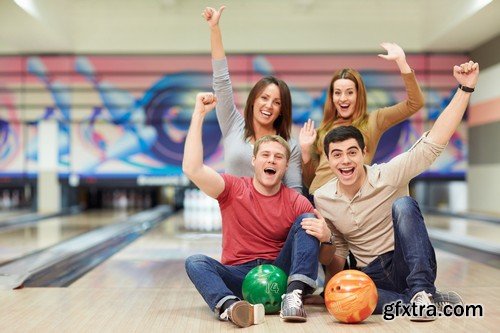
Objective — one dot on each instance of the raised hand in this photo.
(467, 73)
(394, 52)
(307, 136)
(212, 16)
(205, 102)
(449, 120)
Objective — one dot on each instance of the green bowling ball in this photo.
(265, 284)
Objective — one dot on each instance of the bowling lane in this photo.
(477, 234)
(146, 283)
(5, 215)
(155, 260)
(19, 242)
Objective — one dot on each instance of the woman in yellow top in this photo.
(346, 105)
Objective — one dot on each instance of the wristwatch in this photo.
(330, 241)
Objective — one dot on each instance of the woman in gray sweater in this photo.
(268, 110)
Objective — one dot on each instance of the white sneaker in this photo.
(425, 309)
(292, 308)
(244, 314)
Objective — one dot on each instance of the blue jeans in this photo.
(218, 283)
(411, 266)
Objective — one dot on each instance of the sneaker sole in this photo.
(423, 318)
(244, 314)
(294, 319)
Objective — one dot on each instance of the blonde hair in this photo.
(272, 138)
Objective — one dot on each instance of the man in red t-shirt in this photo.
(263, 222)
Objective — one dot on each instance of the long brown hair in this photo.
(330, 114)
(282, 124)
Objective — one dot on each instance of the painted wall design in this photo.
(126, 116)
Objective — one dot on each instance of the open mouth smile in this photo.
(346, 171)
(270, 171)
(344, 107)
(266, 114)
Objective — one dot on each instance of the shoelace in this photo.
(422, 299)
(293, 299)
(441, 304)
(224, 315)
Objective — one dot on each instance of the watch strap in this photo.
(330, 241)
(465, 88)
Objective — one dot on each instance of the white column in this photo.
(458, 196)
(48, 189)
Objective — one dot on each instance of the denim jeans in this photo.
(411, 266)
(217, 282)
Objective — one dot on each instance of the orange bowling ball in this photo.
(351, 296)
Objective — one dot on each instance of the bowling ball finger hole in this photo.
(351, 299)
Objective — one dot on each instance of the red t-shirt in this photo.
(255, 226)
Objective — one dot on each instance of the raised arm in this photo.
(206, 178)
(448, 121)
(212, 17)
(421, 155)
(227, 115)
(390, 116)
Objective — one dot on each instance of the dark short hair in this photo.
(343, 133)
(272, 138)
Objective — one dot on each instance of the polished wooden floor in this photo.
(144, 288)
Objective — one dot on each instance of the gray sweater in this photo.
(238, 151)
